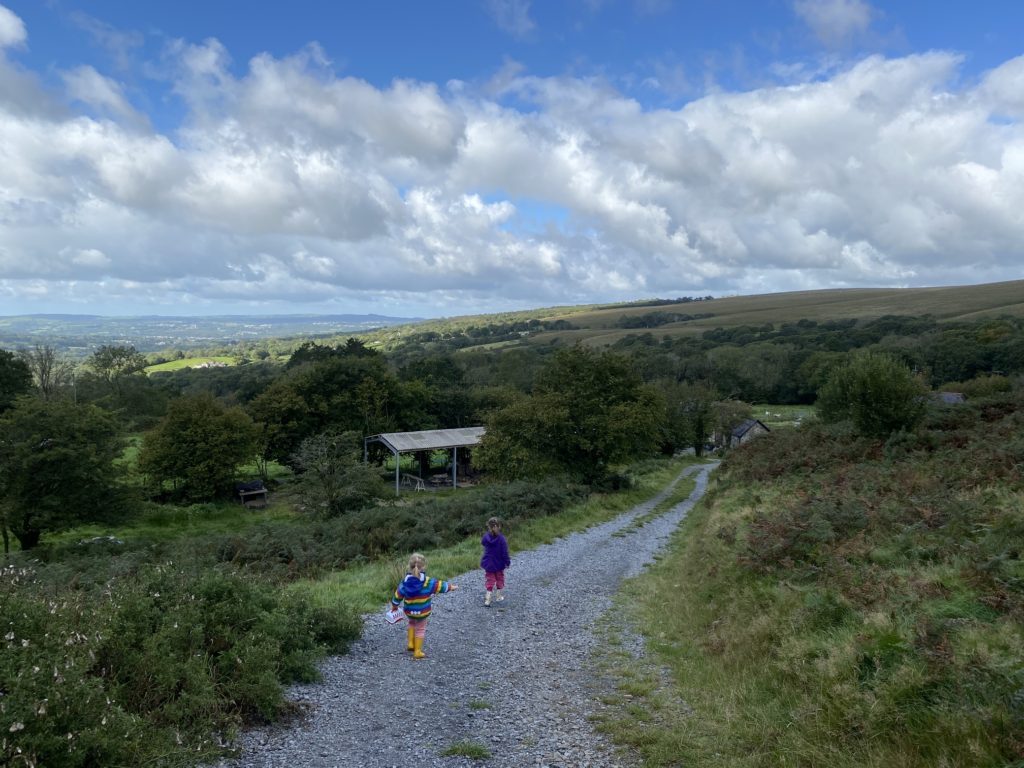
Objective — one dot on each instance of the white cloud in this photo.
(121, 45)
(89, 257)
(12, 29)
(512, 16)
(835, 22)
(1003, 88)
(296, 186)
(88, 86)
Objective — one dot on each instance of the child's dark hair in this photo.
(494, 522)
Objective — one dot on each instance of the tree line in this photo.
(573, 411)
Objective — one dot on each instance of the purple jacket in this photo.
(495, 553)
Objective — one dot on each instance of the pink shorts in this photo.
(494, 579)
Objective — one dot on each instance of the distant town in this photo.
(79, 335)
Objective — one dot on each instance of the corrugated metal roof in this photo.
(431, 439)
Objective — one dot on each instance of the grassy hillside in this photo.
(603, 325)
(845, 602)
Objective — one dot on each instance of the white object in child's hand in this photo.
(393, 615)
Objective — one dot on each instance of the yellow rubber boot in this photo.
(412, 636)
(417, 652)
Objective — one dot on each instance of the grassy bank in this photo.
(367, 586)
(843, 602)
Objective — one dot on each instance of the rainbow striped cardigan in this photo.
(415, 592)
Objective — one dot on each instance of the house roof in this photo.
(949, 398)
(430, 439)
(745, 426)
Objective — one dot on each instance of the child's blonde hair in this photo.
(417, 563)
(494, 523)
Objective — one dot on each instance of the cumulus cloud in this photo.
(12, 29)
(88, 86)
(289, 183)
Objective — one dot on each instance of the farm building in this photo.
(422, 443)
(746, 430)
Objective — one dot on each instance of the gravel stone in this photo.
(516, 679)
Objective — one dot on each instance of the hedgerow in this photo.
(302, 549)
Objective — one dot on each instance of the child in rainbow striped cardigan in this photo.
(415, 592)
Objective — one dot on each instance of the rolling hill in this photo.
(604, 325)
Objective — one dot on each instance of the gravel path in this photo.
(513, 679)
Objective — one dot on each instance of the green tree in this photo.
(343, 391)
(15, 378)
(727, 414)
(588, 411)
(50, 372)
(332, 476)
(876, 392)
(198, 446)
(438, 384)
(113, 363)
(689, 414)
(57, 467)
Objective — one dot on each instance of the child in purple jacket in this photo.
(495, 560)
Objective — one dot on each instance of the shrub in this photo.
(290, 550)
(53, 711)
(876, 392)
(805, 533)
(165, 660)
(199, 444)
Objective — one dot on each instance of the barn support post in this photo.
(398, 469)
(455, 466)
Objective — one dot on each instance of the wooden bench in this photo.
(252, 495)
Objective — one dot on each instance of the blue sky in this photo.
(429, 159)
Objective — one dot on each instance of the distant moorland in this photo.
(594, 325)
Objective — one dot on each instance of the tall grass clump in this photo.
(848, 601)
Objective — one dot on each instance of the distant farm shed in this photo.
(426, 440)
(948, 398)
(745, 431)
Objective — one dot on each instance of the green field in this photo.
(776, 416)
(191, 362)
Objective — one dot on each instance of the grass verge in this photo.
(367, 586)
(837, 601)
